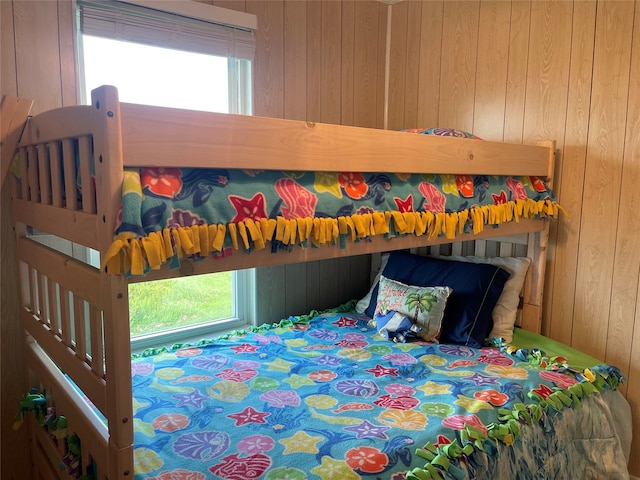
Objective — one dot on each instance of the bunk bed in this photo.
(332, 394)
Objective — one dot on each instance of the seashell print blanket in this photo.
(323, 396)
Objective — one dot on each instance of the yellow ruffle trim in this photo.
(135, 256)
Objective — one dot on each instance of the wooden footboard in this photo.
(76, 318)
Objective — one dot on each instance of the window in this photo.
(156, 76)
(193, 58)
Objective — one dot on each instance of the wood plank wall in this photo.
(514, 71)
(570, 71)
(315, 61)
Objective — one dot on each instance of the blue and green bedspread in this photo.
(171, 213)
(324, 396)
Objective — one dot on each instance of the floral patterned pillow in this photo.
(424, 305)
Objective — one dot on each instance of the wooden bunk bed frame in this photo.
(76, 317)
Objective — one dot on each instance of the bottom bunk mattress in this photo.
(325, 397)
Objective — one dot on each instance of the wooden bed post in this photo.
(109, 174)
(537, 251)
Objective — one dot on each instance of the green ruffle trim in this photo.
(132, 255)
(284, 323)
(445, 459)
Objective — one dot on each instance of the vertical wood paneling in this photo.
(398, 58)
(630, 198)
(491, 73)
(341, 268)
(331, 64)
(517, 71)
(328, 274)
(545, 109)
(294, 291)
(271, 300)
(36, 25)
(66, 46)
(573, 80)
(14, 71)
(330, 76)
(13, 443)
(412, 75)
(548, 71)
(314, 60)
(458, 66)
(319, 81)
(8, 81)
(274, 53)
(633, 390)
(429, 64)
(347, 62)
(605, 148)
(366, 58)
(569, 179)
(358, 269)
(312, 272)
(295, 68)
(380, 64)
(269, 62)
(624, 291)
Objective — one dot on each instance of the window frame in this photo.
(241, 71)
(244, 283)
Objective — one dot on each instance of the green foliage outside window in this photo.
(179, 302)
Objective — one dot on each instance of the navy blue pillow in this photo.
(476, 289)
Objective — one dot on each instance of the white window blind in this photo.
(142, 24)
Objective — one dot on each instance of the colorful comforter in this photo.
(325, 397)
(169, 213)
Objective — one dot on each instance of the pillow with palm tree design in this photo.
(423, 305)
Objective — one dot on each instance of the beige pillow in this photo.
(363, 303)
